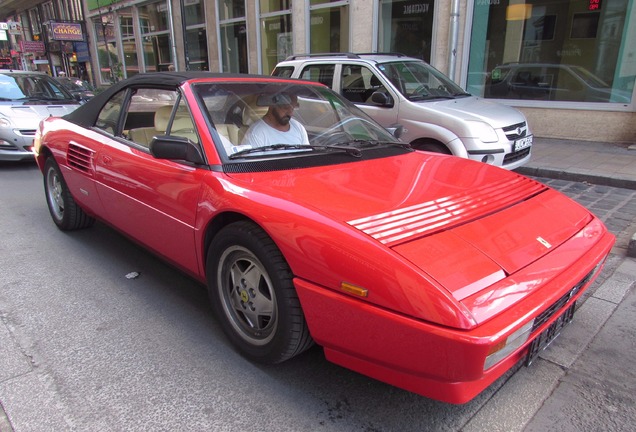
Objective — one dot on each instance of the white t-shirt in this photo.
(261, 134)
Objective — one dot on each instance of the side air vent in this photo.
(80, 158)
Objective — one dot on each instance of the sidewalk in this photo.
(600, 163)
(607, 164)
(594, 388)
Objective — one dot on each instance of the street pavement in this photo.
(591, 363)
(585, 380)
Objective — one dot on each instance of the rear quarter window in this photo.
(319, 73)
(283, 72)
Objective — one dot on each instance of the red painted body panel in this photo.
(455, 255)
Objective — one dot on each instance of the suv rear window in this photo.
(319, 73)
(283, 71)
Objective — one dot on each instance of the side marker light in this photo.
(354, 289)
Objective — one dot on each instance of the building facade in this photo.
(568, 65)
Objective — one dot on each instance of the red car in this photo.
(432, 273)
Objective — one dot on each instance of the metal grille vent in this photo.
(516, 131)
(79, 157)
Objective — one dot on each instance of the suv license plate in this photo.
(523, 143)
(548, 335)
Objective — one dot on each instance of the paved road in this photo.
(83, 347)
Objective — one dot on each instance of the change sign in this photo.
(67, 31)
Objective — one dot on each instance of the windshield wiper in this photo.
(349, 150)
(270, 148)
(375, 143)
(431, 97)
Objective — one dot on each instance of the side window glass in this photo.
(148, 114)
(359, 83)
(182, 124)
(109, 115)
(283, 72)
(319, 73)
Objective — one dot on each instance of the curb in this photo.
(579, 177)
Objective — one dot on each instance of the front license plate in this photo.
(523, 143)
(548, 335)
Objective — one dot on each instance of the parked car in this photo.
(433, 273)
(80, 89)
(437, 115)
(554, 82)
(25, 99)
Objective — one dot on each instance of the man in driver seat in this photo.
(277, 126)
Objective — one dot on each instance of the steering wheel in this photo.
(422, 88)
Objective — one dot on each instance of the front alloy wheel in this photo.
(252, 294)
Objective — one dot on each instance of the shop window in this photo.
(130, 65)
(406, 26)
(196, 36)
(233, 36)
(155, 36)
(276, 32)
(329, 27)
(553, 51)
(107, 56)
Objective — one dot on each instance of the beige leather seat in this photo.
(183, 127)
(144, 135)
(229, 131)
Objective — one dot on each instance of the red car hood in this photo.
(466, 224)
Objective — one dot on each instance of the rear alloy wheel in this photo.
(252, 294)
(64, 211)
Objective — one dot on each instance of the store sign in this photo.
(66, 31)
(32, 46)
(4, 26)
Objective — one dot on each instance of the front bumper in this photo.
(434, 361)
(16, 148)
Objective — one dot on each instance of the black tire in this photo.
(252, 294)
(64, 211)
(433, 147)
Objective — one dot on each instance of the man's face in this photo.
(282, 113)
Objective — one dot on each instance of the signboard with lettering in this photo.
(66, 31)
(32, 46)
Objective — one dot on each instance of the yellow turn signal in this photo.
(353, 289)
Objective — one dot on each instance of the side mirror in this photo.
(396, 130)
(175, 148)
(381, 98)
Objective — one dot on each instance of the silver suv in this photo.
(25, 99)
(436, 114)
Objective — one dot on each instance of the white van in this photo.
(436, 114)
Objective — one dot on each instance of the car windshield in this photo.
(417, 81)
(318, 120)
(75, 84)
(31, 87)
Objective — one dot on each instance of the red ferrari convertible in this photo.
(432, 273)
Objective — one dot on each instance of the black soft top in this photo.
(86, 115)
